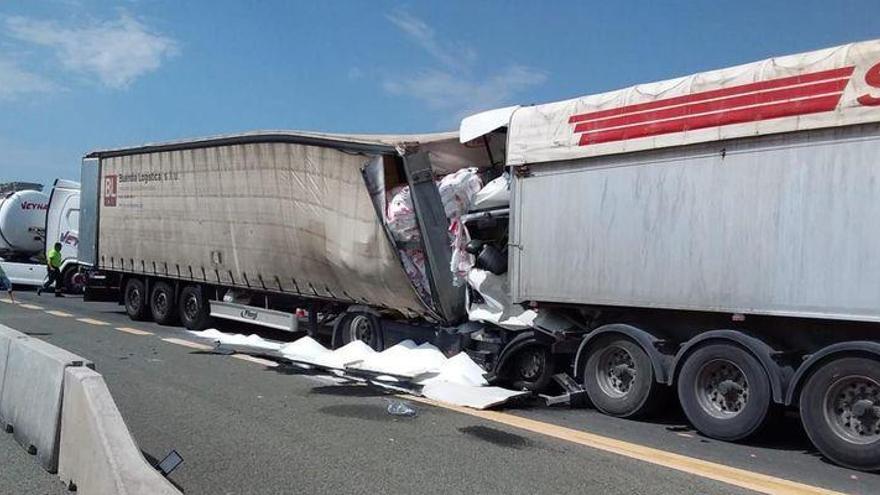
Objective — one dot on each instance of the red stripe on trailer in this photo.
(717, 93)
(733, 102)
(751, 114)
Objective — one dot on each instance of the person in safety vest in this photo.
(53, 267)
(6, 284)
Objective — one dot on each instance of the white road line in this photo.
(62, 314)
(29, 306)
(8, 301)
(91, 321)
(254, 359)
(133, 331)
(188, 343)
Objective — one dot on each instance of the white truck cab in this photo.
(62, 225)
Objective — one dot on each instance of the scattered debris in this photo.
(400, 408)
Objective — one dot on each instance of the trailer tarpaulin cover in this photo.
(271, 215)
(826, 88)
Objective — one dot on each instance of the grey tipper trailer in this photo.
(717, 236)
(253, 226)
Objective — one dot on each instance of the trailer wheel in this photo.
(619, 378)
(135, 297)
(724, 391)
(162, 303)
(363, 327)
(840, 410)
(530, 368)
(194, 309)
(73, 281)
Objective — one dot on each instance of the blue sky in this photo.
(77, 75)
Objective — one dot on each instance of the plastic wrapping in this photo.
(461, 261)
(496, 194)
(457, 191)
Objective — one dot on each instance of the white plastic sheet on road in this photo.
(252, 340)
(457, 380)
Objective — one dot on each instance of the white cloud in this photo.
(452, 56)
(16, 81)
(442, 90)
(452, 87)
(116, 51)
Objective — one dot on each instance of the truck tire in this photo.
(530, 368)
(163, 304)
(364, 327)
(840, 410)
(619, 378)
(135, 298)
(724, 391)
(195, 312)
(72, 280)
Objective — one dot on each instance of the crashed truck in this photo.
(343, 235)
(716, 236)
(709, 237)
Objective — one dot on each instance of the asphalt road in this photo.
(246, 428)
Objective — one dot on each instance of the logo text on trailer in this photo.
(30, 205)
(110, 190)
(792, 96)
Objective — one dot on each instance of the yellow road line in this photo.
(91, 321)
(254, 359)
(29, 306)
(187, 343)
(58, 313)
(133, 331)
(742, 478)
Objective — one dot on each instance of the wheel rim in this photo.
(191, 307)
(160, 301)
(616, 371)
(531, 364)
(722, 389)
(852, 409)
(360, 328)
(78, 282)
(134, 298)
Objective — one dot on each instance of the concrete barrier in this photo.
(31, 397)
(6, 336)
(98, 454)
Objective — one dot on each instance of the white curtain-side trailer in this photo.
(256, 226)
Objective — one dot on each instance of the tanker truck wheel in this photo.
(135, 298)
(73, 281)
(840, 410)
(195, 312)
(619, 378)
(724, 391)
(163, 306)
